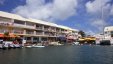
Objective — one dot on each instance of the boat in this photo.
(38, 46)
(28, 46)
(35, 46)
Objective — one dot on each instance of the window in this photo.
(111, 33)
(4, 19)
(19, 22)
(29, 23)
(105, 32)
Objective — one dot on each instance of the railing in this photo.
(49, 29)
(39, 28)
(37, 33)
(18, 32)
(63, 31)
(31, 27)
(23, 26)
(48, 34)
(19, 25)
(46, 29)
(2, 31)
(30, 33)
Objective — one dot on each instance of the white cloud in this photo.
(101, 11)
(99, 6)
(90, 32)
(2, 2)
(96, 6)
(99, 24)
(39, 9)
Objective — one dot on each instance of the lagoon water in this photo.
(59, 55)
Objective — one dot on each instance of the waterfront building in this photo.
(108, 33)
(99, 37)
(106, 37)
(32, 30)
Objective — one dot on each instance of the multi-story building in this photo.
(106, 37)
(32, 30)
(108, 34)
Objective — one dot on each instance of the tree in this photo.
(82, 33)
(6, 34)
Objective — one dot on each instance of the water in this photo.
(58, 55)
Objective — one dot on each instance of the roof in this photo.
(12, 16)
(108, 28)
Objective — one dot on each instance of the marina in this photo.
(56, 32)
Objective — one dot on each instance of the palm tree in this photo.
(6, 34)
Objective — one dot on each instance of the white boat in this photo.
(35, 46)
(17, 45)
(38, 46)
(76, 43)
(28, 46)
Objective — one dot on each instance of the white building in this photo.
(31, 29)
(108, 33)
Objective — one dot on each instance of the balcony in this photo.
(39, 28)
(31, 33)
(63, 35)
(46, 29)
(63, 31)
(2, 31)
(49, 30)
(23, 26)
(50, 34)
(18, 32)
(39, 33)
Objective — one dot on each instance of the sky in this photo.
(91, 16)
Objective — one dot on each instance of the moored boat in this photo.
(38, 46)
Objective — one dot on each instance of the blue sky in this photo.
(84, 15)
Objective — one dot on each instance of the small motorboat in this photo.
(38, 46)
(28, 46)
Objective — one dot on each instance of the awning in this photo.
(13, 35)
(10, 35)
(1, 35)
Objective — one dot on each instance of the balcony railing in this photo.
(39, 28)
(49, 34)
(23, 26)
(30, 27)
(50, 30)
(63, 31)
(46, 29)
(30, 33)
(2, 31)
(37, 33)
(18, 32)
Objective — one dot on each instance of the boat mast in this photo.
(102, 18)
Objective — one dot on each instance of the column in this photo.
(24, 32)
(40, 39)
(32, 39)
(35, 33)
